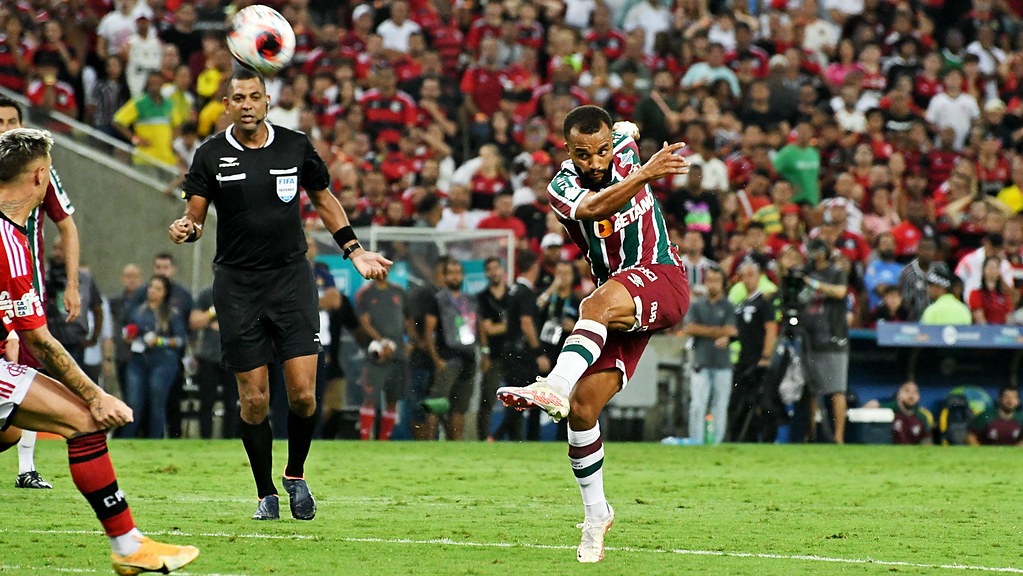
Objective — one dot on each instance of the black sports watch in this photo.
(349, 249)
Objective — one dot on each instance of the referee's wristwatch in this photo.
(347, 252)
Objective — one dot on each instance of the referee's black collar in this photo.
(231, 139)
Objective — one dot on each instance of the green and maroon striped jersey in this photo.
(635, 236)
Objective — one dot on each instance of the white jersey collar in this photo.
(233, 142)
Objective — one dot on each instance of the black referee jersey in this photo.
(256, 194)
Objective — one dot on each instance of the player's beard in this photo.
(591, 183)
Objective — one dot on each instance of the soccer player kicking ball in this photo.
(603, 199)
(69, 404)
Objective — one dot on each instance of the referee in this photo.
(263, 289)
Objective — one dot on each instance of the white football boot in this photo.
(537, 395)
(591, 548)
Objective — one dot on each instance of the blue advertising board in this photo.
(903, 335)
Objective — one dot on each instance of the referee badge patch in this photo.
(287, 187)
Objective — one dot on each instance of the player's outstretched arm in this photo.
(665, 162)
(105, 409)
(188, 228)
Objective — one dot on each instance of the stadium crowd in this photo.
(890, 131)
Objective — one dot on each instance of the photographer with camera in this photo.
(825, 329)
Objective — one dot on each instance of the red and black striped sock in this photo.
(94, 476)
(258, 441)
(300, 437)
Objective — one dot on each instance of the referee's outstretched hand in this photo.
(371, 265)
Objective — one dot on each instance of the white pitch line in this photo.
(449, 542)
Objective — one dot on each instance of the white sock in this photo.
(586, 454)
(581, 350)
(126, 544)
(26, 452)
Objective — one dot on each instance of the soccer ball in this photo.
(261, 39)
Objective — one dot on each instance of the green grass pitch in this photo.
(511, 509)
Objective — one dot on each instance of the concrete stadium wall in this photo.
(122, 216)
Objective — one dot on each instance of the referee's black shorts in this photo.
(266, 315)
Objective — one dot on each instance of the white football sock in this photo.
(126, 544)
(26, 452)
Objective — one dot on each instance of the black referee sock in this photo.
(258, 441)
(300, 436)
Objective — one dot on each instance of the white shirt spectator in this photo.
(468, 220)
(577, 13)
(847, 7)
(288, 118)
(463, 174)
(818, 35)
(989, 59)
(958, 113)
(144, 54)
(853, 214)
(652, 17)
(715, 173)
(116, 28)
(971, 271)
(395, 36)
(725, 38)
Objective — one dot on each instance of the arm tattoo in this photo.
(62, 366)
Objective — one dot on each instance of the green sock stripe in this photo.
(591, 469)
(580, 350)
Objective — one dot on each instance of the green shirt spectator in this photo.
(148, 121)
(800, 163)
(947, 309)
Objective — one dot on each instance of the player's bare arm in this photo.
(107, 410)
(68, 231)
(371, 266)
(598, 205)
(189, 226)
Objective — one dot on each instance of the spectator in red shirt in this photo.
(388, 111)
(602, 36)
(15, 55)
(488, 26)
(745, 49)
(490, 179)
(483, 83)
(503, 218)
(908, 233)
(401, 165)
(835, 232)
(50, 93)
(792, 233)
(355, 39)
(993, 301)
(993, 170)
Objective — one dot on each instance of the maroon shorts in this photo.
(661, 294)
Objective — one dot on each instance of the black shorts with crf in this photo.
(266, 315)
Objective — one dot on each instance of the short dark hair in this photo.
(526, 259)
(164, 256)
(243, 73)
(490, 260)
(587, 119)
(427, 204)
(6, 102)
